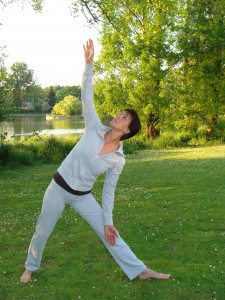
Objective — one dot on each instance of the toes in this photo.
(25, 279)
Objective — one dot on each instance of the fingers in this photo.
(111, 240)
(89, 42)
(89, 45)
(116, 233)
(86, 47)
(111, 234)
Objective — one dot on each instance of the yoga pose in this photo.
(98, 151)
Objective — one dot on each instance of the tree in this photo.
(5, 87)
(68, 90)
(198, 78)
(69, 106)
(35, 94)
(131, 67)
(164, 58)
(21, 78)
(51, 96)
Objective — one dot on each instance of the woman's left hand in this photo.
(89, 52)
(111, 234)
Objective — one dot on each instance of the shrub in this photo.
(183, 137)
(5, 153)
(39, 149)
(136, 143)
(22, 157)
(36, 149)
(166, 140)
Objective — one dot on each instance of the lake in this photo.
(26, 125)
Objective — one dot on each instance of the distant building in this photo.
(27, 106)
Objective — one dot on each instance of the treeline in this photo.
(164, 58)
(19, 92)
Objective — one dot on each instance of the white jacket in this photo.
(83, 165)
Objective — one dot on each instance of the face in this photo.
(121, 122)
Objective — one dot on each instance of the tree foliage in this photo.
(69, 106)
(36, 4)
(166, 59)
(68, 90)
(5, 87)
(35, 94)
(51, 96)
(21, 78)
(198, 86)
(135, 40)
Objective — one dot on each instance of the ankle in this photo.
(142, 274)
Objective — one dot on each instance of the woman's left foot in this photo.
(26, 277)
(150, 274)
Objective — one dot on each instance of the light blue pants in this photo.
(54, 202)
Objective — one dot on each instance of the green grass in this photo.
(169, 208)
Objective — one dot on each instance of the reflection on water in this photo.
(27, 125)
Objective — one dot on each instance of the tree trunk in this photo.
(213, 121)
(152, 130)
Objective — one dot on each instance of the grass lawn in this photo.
(169, 208)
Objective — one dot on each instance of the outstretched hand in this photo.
(89, 52)
(111, 234)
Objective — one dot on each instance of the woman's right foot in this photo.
(26, 277)
(150, 274)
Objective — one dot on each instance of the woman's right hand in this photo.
(111, 234)
(89, 52)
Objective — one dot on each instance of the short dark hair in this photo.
(135, 125)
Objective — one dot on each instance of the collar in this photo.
(102, 131)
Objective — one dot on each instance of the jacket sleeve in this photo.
(108, 193)
(90, 116)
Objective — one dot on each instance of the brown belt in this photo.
(61, 182)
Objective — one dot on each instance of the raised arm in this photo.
(90, 116)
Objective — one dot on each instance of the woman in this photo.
(98, 151)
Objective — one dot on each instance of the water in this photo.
(27, 125)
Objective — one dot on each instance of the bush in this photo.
(9, 154)
(39, 149)
(136, 143)
(5, 153)
(22, 157)
(36, 150)
(166, 140)
(183, 137)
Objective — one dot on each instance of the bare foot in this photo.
(26, 277)
(150, 274)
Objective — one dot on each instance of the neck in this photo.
(112, 137)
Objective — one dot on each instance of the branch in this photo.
(105, 14)
(133, 14)
(93, 16)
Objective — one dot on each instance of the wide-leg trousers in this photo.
(54, 202)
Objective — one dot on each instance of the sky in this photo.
(50, 43)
